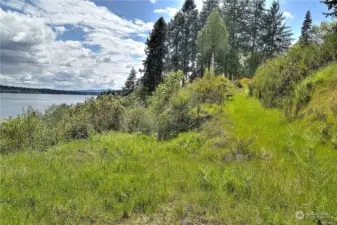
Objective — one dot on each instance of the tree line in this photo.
(233, 38)
(14, 89)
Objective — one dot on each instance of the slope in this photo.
(247, 165)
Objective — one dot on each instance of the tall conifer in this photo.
(306, 29)
(155, 52)
(277, 35)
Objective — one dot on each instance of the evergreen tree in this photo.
(213, 41)
(174, 58)
(277, 35)
(130, 81)
(255, 26)
(306, 29)
(155, 52)
(207, 7)
(236, 15)
(332, 5)
(189, 33)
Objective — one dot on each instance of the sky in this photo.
(82, 44)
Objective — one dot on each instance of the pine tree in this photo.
(174, 57)
(277, 35)
(213, 41)
(207, 7)
(236, 15)
(130, 82)
(189, 36)
(306, 29)
(332, 5)
(155, 52)
(255, 26)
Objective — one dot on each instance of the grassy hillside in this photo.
(318, 94)
(246, 165)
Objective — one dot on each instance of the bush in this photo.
(210, 89)
(75, 127)
(35, 131)
(139, 120)
(21, 133)
(177, 118)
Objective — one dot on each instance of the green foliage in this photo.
(171, 106)
(213, 40)
(24, 132)
(275, 81)
(34, 131)
(316, 93)
(305, 37)
(130, 81)
(210, 89)
(332, 5)
(170, 87)
(139, 119)
(155, 52)
(277, 35)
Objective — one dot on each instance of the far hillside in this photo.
(26, 90)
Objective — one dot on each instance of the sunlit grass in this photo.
(246, 165)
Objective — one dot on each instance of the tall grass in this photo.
(255, 167)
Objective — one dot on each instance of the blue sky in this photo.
(77, 44)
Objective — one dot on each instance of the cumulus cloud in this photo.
(31, 54)
(288, 15)
(168, 10)
(153, 1)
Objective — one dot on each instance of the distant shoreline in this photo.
(24, 90)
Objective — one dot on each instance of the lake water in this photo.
(12, 104)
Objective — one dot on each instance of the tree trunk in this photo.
(213, 63)
(209, 63)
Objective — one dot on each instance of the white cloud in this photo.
(32, 56)
(168, 10)
(153, 1)
(60, 29)
(288, 15)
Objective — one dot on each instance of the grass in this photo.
(248, 165)
(320, 90)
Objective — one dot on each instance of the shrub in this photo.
(21, 133)
(35, 131)
(179, 114)
(177, 117)
(210, 89)
(171, 85)
(77, 126)
(139, 120)
(107, 114)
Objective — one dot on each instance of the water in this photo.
(12, 104)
